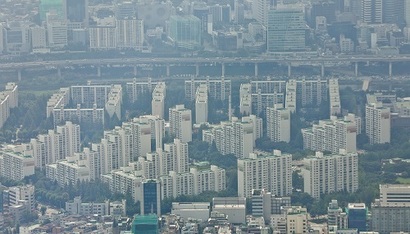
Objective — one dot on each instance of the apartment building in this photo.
(8, 100)
(16, 162)
(236, 137)
(217, 89)
(201, 104)
(333, 134)
(261, 170)
(158, 100)
(278, 123)
(180, 123)
(378, 123)
(324, 174)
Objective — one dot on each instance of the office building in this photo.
(201, 104)
(333, 135)
(378, 123)
(407, 12)
(185, 31)
(103, 35)
(324, 174)
(50, 6)
(296, 220)
(38, 37)
(335, 216)
(76, 11)
(393, 12)
(372, 11)
(286, 30)
(77, 207)
(217, 89)
(158, 100)
(264, 204)
(180, 123)
(17, 37)
(145, 224)
(150, 202)
(191, 210)
(130, 33)
(16, 163)
(260, 10)
(233, 207)
(56, 31)
(391, 211)
(278, 123)
(271, 171)
(357, 216)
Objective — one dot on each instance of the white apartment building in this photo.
(89, 95)
(290, 98)
(16, 164)
(245, 99)
(201, 104)
(158, 100)
(378, 123)
(135, 89)
(8, 100)
(324, 174)
(236, 137)
(114, 101)
(198, 180)
(58, 144)
(271, 171)
(71, 170)
(278, 123)
(157, 127)
(180, 123)
(333, 135)
(217, 89)
(178, 152)
(334, 97)
(125, 180)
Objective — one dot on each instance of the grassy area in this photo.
(402, 180)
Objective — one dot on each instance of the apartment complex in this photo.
(180, 123)
(235, 137)
(324, 174)
(261, 170)
(278, 123)
(88, 103)
(333, 135)
(8, 100)
(378, 123)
